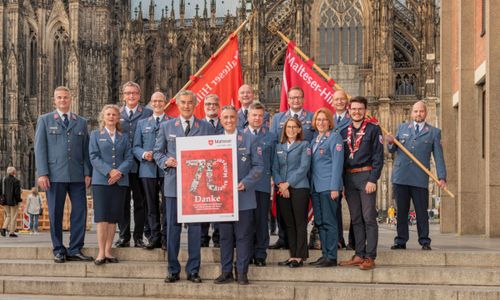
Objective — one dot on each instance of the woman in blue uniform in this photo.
(111, 158)
(291, 163)
(326, 184)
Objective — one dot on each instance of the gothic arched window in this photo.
(60, 61)
(32, 63)
(340, 32)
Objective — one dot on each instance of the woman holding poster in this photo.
(111, 157)
(292, 159)
(326, 184)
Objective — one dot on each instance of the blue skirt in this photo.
(109, 203)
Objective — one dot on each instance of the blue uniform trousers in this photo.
(420, 197)
(243, 231)
(325, 218)
(139, 210)
(56, 197)
(262, 224)
(152, 188)
(174, 240)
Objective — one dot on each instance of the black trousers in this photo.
(282, 235)
(294, 211)
(134, 190)
(420, 198)
(262, 224)
(152, 188)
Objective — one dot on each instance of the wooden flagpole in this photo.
(338, 87)
(235, 33)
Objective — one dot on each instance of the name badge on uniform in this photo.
(242, 149)
(122, 120)
(102, 140)
(53, 128)
(279, 152)
(172, 135)
(147, 128)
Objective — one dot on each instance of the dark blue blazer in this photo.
(267, 143)
(292, 165)
(327, 162)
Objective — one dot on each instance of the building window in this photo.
(61, 41)
(483, 17)
(341, 32)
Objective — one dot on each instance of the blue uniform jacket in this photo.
(250, 168)
(165, 147)
(242, 120)
(327, 162)
(144, 140)
(106, 156)
(305, 118)
(62, 153)
(428, 141)
(129, 126)
(218, 128)
(267, 141)
(344, 122)
(292, 165)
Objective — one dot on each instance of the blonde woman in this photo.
(111, 158)
(33, 209)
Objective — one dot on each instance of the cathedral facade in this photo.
(386, 50)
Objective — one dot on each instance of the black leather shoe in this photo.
(259, 262)
(79, 257)
(278, 245)
(426, 247)
(111, 260)
(327, 263)
(121, 243)
(216, 245)
(60, 258)
(151, 245)
(224, 278)
(204, 244)
(194, 278)
(139, 244)
(3, 232)
(296, 264)
(99, 262)
(398, 247)
(243, 279)
(318, 261)
(172, 277)
(285, 263)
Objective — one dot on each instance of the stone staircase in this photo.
(30, 273)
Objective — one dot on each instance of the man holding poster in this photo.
(250, 168)
(165, 156)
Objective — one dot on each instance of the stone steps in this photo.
(420, 275)
(155, 288)
(456, 275)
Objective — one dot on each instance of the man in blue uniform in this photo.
(250, 167)
(267, 142)
(296, 105)
(63, 167)
(151, 176)
(164, 154)
(131, 113)
(211, 107)
(363, 162)
(409, 181)
(341, 120)
(246, 98)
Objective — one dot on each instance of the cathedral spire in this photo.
(212, 13)
(182, 10)
(152, 6)
(243, 9)
(205, 11)
(139, 16)
(172, 12)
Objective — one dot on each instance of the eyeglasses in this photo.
(357, 109)
(211, 104)
(131, 93)
(295, 98)
(292, 127)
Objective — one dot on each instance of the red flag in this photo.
(222, 76)
(317, 92)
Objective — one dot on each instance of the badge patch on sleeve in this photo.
(338, 147)
(309, 151)
(381, 139)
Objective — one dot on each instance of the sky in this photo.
(222, 7)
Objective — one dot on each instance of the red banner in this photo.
(317, 92)
(222, 77)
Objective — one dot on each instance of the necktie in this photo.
(245, 112)
(417, 129)
(157, 121)
(255, 132)
(188, 128)
(65, 121)
(339, 119)
(296, 116)
(131, 113)
(212, 122)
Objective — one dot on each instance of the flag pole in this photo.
(274, 29)
(234, 33)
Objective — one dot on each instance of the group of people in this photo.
(300, 154)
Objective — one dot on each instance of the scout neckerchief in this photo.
(357, 141)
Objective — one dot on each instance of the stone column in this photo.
(492, 122)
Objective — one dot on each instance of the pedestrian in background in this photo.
(34, 209)
(11, 190)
